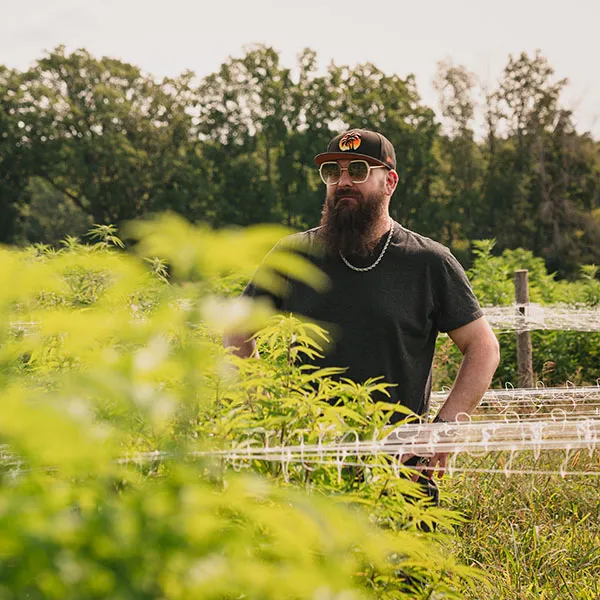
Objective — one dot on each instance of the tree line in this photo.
(96, 140)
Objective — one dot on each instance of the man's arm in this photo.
(242, 346)
(481, 355)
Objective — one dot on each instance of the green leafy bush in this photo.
(558, 356)
(113, 380)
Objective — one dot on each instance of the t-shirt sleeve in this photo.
(254, 291)
(274, 281)
(455, 302)
(279, 280)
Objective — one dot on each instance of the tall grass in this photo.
(535, 536)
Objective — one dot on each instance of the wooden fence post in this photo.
(524, 352)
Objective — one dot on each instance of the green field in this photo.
(113, 379)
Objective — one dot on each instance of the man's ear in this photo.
(391, 181)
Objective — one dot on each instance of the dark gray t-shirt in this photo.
(384, 322)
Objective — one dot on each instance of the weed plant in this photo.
(113, 379)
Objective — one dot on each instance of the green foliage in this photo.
(558, 356)
(105, 236)
(48, 215)
(103, 357)
(492, 277)
(535, 534)
(588, 287)
(96, 140)
(178, 537)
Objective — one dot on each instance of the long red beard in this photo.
(347, 226)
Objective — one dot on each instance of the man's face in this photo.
(351, 211)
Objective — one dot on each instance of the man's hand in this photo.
(436, 464)
(426, 466)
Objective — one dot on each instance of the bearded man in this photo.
(391, 290)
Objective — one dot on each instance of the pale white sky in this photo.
(165, 37)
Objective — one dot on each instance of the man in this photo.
(391, 290)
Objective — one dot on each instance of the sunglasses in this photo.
(358, 171)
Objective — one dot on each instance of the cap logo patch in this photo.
(350, 141)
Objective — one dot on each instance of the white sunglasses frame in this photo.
(342, 169)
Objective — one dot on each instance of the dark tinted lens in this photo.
(330, 172)
(358, 170)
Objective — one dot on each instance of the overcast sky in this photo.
(165, 37)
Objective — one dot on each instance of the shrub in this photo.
(113, 382)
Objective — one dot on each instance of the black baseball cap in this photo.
(360, 143)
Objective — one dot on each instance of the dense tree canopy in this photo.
(86, 140)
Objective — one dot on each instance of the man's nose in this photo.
(345, 180)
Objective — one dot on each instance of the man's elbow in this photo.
(486, 346)
(490, 348)
(495, 350)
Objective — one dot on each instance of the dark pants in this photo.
(429, 487)
(428, 484)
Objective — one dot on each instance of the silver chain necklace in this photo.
(362, 269)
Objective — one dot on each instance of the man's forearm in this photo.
(474, 377)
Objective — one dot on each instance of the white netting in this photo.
(531, 317)
(515, 404)
(478, 437)
(510, 421)
(516, 317)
